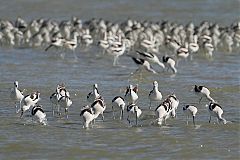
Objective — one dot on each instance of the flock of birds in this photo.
(143, 41)
(165, 109)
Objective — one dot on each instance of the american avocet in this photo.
(155, 94)
(205, 38)
(65, 102)
(87, 38)
(163, 111)
(131, 94)
(203, 91)
(117, 51)
(118, 102)
(190, 110)
(133, 109)
(54, 98)
(172, 44)
(208, 48)
(38, 112)
(72, 43)
(56, 42)
(88, 116)
(148, 44)
(183, 51)
(92, 96)
(216, 111)
(29, 101)
(104, 42)
(16, 95)
(227, 42)
(143, 64)
(170, 62)
(98, 107)
(193, 46)
(174, 103)
(151, 57)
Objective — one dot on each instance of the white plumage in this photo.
(216, 111)
(16, 95)
(88, 116)
(166, 109)
(92, 96)
(133, 109)
(65, 102)
(170, 62)
(203, 91)
(29, 101)
(190, 110)
(131, 95)
(118, 102)
(151, 57)
(38, 112)
(98, 107)
(154, 95)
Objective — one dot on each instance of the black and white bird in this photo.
(131, 94)
(88, 116)
(154, 95)
(163, 111)
(216, 110)
(151, 58)
(203, 91)
(183, 52)
(166, 109)
(98, 107)
(57, 42)
(208, 49)
(116, 52)
(193, 46)
(72, 43)
(133, 109)
(16, 95)
(65, 102)
(92, 96)
(29, 101)
(54, 98)
(174, 103)
(170, 63)
(38, 112)
(118, 102)
(190, 110)
(143, 64)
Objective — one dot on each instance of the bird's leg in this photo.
(102, 117)
(16, 107)
(194, 121)
(121, 115)
(58, 109)
(200, 100)
(53, 110)
(209, 119)
(165, 122)
(66, 112)
(128, 120)
(115, 60)
(113, 113)
(136, 118)
(75, 56)
(21, 113)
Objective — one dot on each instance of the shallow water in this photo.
(114, 139)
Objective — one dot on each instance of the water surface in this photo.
(114, 139)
